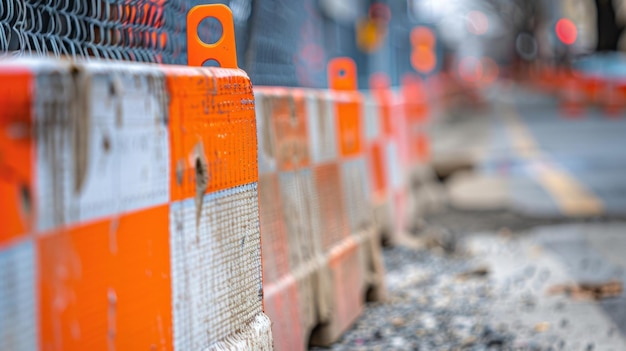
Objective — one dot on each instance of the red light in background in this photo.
(566, 31)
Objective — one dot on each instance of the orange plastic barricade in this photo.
(398, 152)
(573, 98)
(129, 208)
(392, 138)
(416, 113)
(289, 223)
(319, 257)
(378, 132)
(613, 99)
(362, 268)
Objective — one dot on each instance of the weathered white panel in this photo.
(216, 266)
(102, 143)
(18, 322)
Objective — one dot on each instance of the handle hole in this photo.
(210, 30)
(342, 73)
(211, 63)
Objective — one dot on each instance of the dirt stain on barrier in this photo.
(202, 179)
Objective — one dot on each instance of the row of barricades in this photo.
(335, 167)
(577, 91)
(130, 216)
(150, 207)
(580, 92)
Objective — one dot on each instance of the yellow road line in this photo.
(572, 197)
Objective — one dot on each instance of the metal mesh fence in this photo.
(289, 42)
(135, 30)
(279, 42)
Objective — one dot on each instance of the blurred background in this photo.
(288, 43)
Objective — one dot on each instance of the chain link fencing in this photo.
(133, 30)
(279, 42)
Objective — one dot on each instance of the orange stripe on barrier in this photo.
(414, 99)
(16, 142)
(107, 284)
(349, 125)
(379, 177)
(416, 115)
(290, 130)
(376, 131)
(342, 78)
(421, 147)
(195, 95)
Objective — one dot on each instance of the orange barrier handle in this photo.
(342, 74)
(224, 50)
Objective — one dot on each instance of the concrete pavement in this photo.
(524, 270)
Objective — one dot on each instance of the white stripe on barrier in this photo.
(102, 151)
(267, 158)
(17, 296)
(300, 214)
(356, 187)
(321, 127)
(394, 169)
(372, 124)
(215, 266)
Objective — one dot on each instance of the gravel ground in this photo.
(433, 305)
(490, 298)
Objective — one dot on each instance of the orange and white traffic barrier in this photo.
(376, 121)
(289, 225)
(573, 97)
(320, 256)
(399, 152)
(416, 112)
(592, 88)
(346, 266)
(392, 137)
(129, 208)
(424, 192)
(613, 98)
